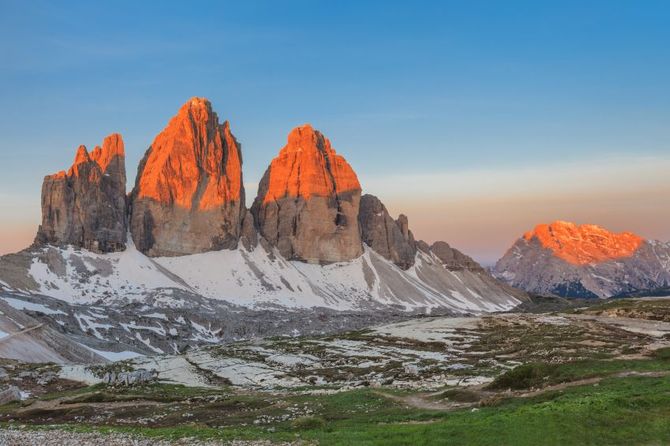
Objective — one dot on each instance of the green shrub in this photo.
(662, 353)
(459, 395)
(524, 376)
(308, 423)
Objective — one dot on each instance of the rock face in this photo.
(584, 244)
(86, 206)
(390, 238)
(308, 201)
(453, 259)
(189, 196)
(584, 261)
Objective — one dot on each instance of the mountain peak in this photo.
(308, 166)
(81, 156)
(584, 244)
(196, 107)
(308, 201)
(191, 180)
(306, 137)
(86, 206)
(112, 149)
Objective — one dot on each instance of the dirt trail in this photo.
(590, 381)
(426, 401)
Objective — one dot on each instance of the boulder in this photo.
(130, 378)
(10, 394)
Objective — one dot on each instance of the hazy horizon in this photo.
(477, 126)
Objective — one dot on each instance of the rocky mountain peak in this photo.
(453, 259)
(86, 206)
(195, 162)
(392, 239)
(189, 194)
(110, 153)
(584, 244)
(81, 156)
(308, 166)
(308, 200)
(571, 260)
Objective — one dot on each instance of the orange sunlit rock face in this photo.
(189, 195)
(584, 244)
(194, 163)
(308, 201)
(308, 166)
(106, 157)
(111, 151)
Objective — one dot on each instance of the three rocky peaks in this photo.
(189, 198)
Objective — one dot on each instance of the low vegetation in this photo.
(621, 410)
(553, 379)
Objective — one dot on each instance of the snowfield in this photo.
(259, 279)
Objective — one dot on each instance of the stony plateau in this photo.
(571, 260)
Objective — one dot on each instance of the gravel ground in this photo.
(14, 437)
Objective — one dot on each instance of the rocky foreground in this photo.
(595, 375)
(57, 437)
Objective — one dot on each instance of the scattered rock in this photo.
(131, 378)
(55, 437)
(10, 394)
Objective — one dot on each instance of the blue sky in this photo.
(419, 92)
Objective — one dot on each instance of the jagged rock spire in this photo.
(189, 196)
(86, 206)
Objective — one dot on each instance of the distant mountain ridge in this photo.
(571, 260)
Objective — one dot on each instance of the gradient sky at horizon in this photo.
(477, 119)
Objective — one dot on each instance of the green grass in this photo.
(662, 354)
(616, 411)
(308, 423)
(652, 309)
(458, 395)
(538, 374)
(619, 411)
